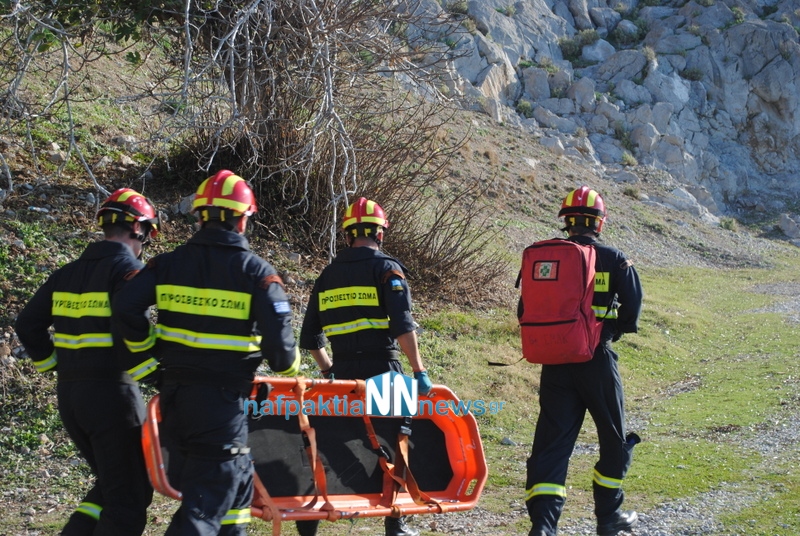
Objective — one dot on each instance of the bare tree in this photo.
(314, 101)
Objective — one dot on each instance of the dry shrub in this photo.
(491, 155)
(301, 97)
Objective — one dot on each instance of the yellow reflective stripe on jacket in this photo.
(74, 305)
(601, 281)
(607, 482)
(46, 364)
(90, 509)
(545, 489)
(84, 340)
(142, 346)
(235, 517)
(294, 368)
(143, 369)
(203, 301)
(356, 325)
(348, 297)
(211, 341)
(602, 312)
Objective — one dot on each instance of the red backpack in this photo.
(558, 324)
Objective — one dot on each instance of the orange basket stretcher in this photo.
(317, 457)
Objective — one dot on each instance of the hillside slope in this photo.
(46, 222)
(46, 219)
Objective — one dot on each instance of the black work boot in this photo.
(538, 532)
(307, 527)
(622, 522)
(396, 526)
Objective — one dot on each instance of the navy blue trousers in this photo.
(567, 392)
(104, 419)
(200, 425)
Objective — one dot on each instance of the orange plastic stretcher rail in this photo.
(459, 432)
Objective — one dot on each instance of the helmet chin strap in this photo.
(143, 236)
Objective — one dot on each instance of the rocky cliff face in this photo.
(706, 90)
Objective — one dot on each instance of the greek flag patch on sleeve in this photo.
(282, 307)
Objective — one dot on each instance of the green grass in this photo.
(23, 269)
(776, 508)
(705, 370)
(705, 376)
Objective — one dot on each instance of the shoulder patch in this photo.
(392, 274)
(397, 285)
(130, 275)
(627, 264)
(270, 279)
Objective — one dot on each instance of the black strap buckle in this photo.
(381, 451)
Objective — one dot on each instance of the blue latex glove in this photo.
(424, 384)
(327, 374)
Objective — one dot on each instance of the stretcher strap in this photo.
(392, 480)
(310, 440)
(397, 475)
(401, 465)
(263, 500)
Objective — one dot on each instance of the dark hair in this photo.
(581, 230)
(116, 230)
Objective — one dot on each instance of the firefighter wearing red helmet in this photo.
(369, 328)
(126, 206)
(583, 208)
(219, 304)
(98, 398)
(568, 391)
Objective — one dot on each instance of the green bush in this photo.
(587, 37)
(692, 73)
(625, 39)
(570, 48)
(629, 160)
(547, 64)
(631, 191)
(729, 223)
(623, 135)
(525, 107)
(459, 7)
(469, 24)
(508, 11)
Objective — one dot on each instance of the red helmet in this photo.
(226, 193)
(127, 205)
(364, 211)
(585, 207)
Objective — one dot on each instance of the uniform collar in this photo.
(358, 254)
(583, 239)
(220, 237)
(105, 248)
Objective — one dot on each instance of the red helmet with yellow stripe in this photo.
(364, 211)
(365, 218)
(127, 206)
(583, 207)
(224, 195)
